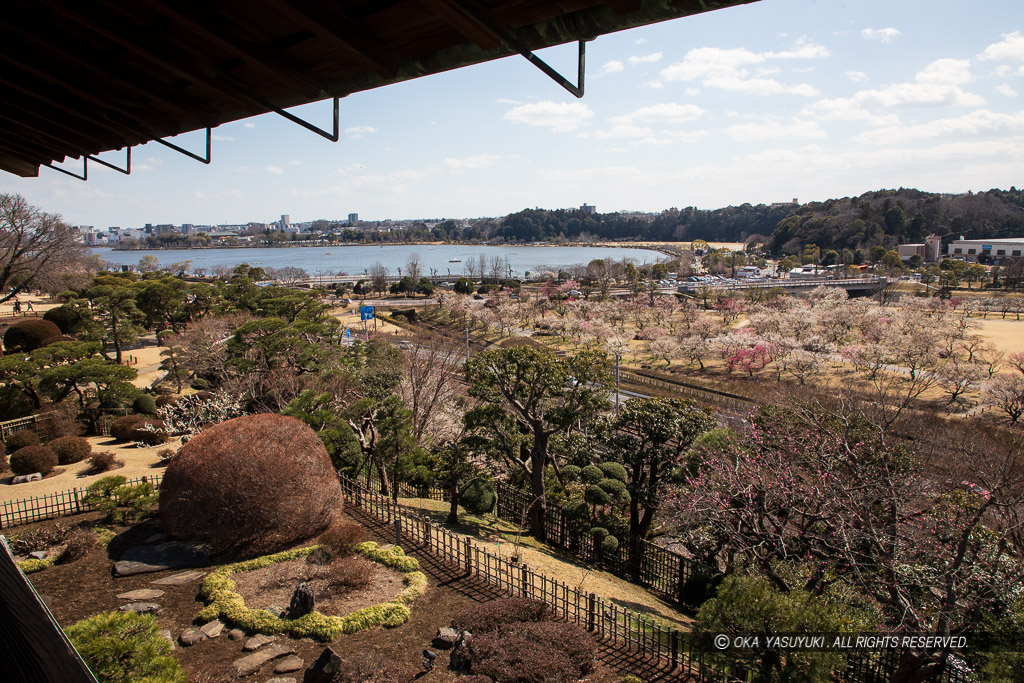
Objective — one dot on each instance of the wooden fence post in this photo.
(469, 568)
(523, 579)
(591, 616)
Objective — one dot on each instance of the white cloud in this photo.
(653, 85)
(612, 67)
(223, 138)
(560, 117)
(249, 124)
(357, 132)
(640, 41)
(730, 69)
(945, 72)
(478, 161)
(691, 92)
(977, 123)
(770, 130)
(1005, 89)
(884, 35)
(505, 100)
(1011, 47)
(666, 112)
(276, 170)
(652, 58)
(856, 76)
(937, 85)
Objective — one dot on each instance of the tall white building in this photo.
(994, 251)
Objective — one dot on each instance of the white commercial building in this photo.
(993, 251)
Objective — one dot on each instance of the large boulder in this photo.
(249, 486)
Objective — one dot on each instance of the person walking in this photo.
(17, 306)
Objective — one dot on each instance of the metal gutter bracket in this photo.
(127, 170)
(186, 152)
(85, 169)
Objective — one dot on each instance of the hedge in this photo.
(227, 605)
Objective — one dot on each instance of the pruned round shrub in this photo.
(571, 473)
(595, 495)
(614, 470)
(542, 652)
(373, 667)
(103, 461)
(252, 485)
(478, 498)
(138, 429)
(22, 438)
(123, 647)
(341, 538)
(121, 429)
(31, 459)
(165, 400)
(29, 334)
(485, 617)
(591, 474)
(609, 544)
(144, 404)
(67, 318)
(614, 488)
(70, 449)
(599, 533)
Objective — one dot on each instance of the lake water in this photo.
(445, 259)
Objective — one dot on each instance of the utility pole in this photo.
(467, 344)
(617, 357)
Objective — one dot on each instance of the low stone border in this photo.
(229, 606)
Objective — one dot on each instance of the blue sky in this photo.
(757, 103)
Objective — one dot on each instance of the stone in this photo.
(324, 669)
(236, 634)
(302, 601)
(257, 641)
(276, 610)
(250, 664)
(38, 555)
(141, 607)
(446, 638)
(282, 679)
(141, 594)
(191, 636)
(459, 659)
(126, 568)
(158, 537)
(213, 628)
(288, 665)
(25, 478)
(171, 555)
(166, 635)
(179, 579)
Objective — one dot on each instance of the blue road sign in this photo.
(366, 312)
(348, 333)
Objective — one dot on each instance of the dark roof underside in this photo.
(79, 78)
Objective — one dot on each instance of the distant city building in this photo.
(353, 218)
(994, 251)
(286, 220)
(792, 203)
(588, 209)
(929, 252)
